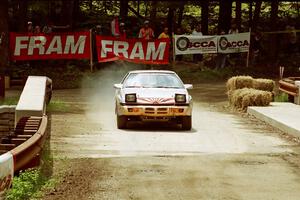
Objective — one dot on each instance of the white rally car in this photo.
(153, 95)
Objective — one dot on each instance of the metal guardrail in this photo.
(24, 144)
(288, 88)
(26, 152)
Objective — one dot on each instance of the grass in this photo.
(28, 185)
(9, 101)
(31, 183)
(282, 97)
(57, 106)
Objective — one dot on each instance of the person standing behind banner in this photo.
(115, 27)
(146, 32)
(122, 31)
(197, 31)
(30, 27)
(233, 29)
(164, 34)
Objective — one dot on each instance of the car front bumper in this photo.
(154, 111)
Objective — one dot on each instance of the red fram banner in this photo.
(74, 45)
(133, 50)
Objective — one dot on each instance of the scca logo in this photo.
(224, 43)
(183, 43)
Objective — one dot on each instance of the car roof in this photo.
(152, 71)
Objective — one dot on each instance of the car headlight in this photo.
(180, 98)
(130, 98)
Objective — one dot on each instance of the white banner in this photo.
(6, 171)
(194, 44)
(234, 43)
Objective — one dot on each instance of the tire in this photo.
(186, 123)
(121, 122)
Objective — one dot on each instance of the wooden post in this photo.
(248, 53)
(91, 50)
(173, 48)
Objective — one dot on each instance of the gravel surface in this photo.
(225, 156)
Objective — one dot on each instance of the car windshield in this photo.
(153, 80)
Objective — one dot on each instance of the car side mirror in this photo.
(188, 86)
(118, 86)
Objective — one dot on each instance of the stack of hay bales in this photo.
(244, 91)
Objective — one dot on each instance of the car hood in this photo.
(154, 95)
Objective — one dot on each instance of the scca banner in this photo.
(195, 44)
(133, 50)
(50, 46)
(234, 43)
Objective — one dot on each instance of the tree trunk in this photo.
(170, 19)
(250, 13)
(225, 15)
(76, 12)
(204, 17)
(67, 13)
(273, 25)
(256, 15)
(4, 37)
(91, 6)
(153, 10)
(123, 10)
(238, 14)
(22, 15)
(180, 14)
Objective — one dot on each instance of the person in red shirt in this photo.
(122, 31)
(146, 32)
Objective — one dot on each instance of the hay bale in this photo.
(239, 82)
(264, 84)
(242, 98)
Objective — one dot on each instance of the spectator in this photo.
(98, 30)
(48, 28)
(122, 31)
(291, 39)
(197, 31)
(146, 32)
(37, 30)
(30, 27)
(188, 30)
(233, 29)
(256, 47)
(164, 34)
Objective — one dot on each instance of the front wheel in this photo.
(121, 122)
(187, 122)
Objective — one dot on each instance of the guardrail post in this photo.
(297, 98)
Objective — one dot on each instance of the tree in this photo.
(225, 15)
(238, 13)
(123, 10)
(22, 15)
(204, 16)
(273, 23)
(4, 36)
(256, 14)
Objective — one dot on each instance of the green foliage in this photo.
(9, 101)
(281, 97)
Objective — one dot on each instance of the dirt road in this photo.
(224, 156)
